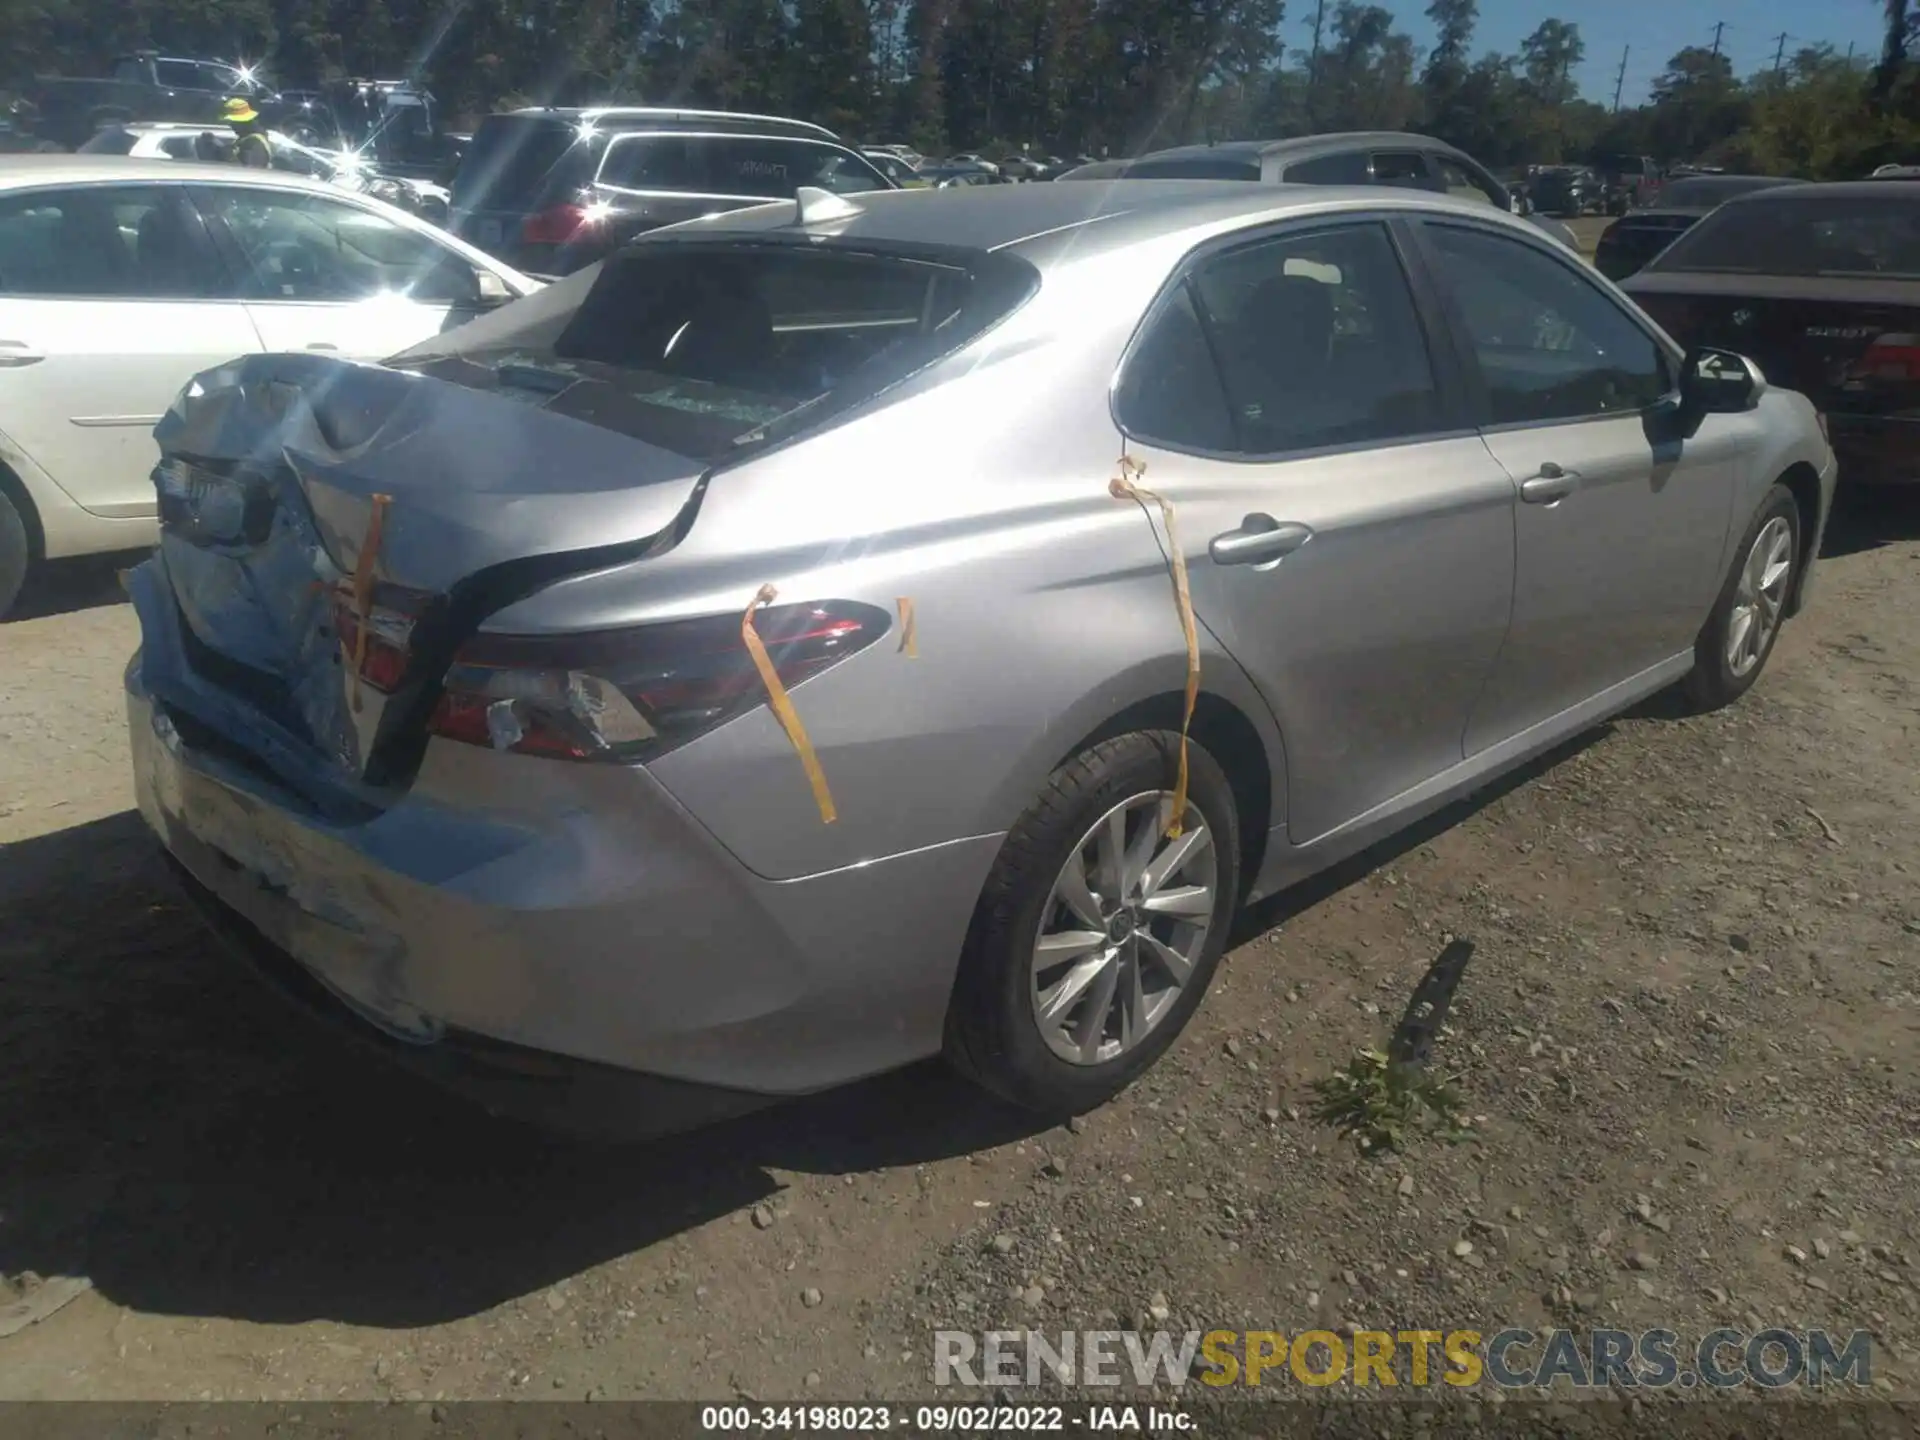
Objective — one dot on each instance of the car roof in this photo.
(1813, 194)
(24, 171)
(1302, 146)
(1047, 222)
(665, 115)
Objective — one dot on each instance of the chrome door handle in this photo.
(1551, 484)
(16, 353)
(1259, 539)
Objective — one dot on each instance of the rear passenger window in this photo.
(120, 242)
(1349, 168)
(1170, 392)
(1319, 341)
(650, 162)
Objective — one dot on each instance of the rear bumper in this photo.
(553, 1092)
(514, 905)
(1874, 451)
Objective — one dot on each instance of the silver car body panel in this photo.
(693, 917)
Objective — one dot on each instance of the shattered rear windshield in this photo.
(702, 348)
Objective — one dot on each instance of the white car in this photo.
(121, 279)
(343, 169)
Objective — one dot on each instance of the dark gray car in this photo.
(1356, 157)
(551, 191)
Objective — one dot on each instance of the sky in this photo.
(1650, 30)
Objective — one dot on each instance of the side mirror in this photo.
(490, 289)
(1719, 382)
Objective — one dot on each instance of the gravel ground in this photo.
(1687, 1042)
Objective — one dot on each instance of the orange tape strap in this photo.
(909, 634)
(783, 710)
(363, 588)
(1122, 487)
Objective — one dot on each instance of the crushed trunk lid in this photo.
(264, 630)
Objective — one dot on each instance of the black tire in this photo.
(992, 1035)
(1712, 683)
(16, 553)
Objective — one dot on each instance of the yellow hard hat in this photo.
(238, 111)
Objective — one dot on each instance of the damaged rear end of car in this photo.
(354, 772)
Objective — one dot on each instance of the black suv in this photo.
(552, 190)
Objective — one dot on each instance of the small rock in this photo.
(1033, 1295)
(1514, 1212)
(1158, 1308)
(762, 1217)
(1462, 1248)
(1641, 1260)
(1078, 1124)
(1822, 1249)
(1645, 1286)
(556, 1301)
(1814, 1282)
(1406, 1186)
(1054, 1168)
(1716, 1294)
(1233, 1048)
(1001, 1244)
(810, 1297)
(382, 1368)
(1740, 943)
(1271, 1114)
(1795, 1254)
(813, 1380)
(1194, 1192)
(1849, 1237)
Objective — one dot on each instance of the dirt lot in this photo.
(1689, 1041)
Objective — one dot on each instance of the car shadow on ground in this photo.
(175, 1132)
(61, 587)
(172, 1130)
(1868, 519)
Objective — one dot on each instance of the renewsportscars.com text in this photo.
(1510, 1358)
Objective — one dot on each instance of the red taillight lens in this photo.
(637, 693)
(1891, 357)
(390, 621)
(560, 225)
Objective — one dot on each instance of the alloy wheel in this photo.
(1122, 930)
(1760, 596)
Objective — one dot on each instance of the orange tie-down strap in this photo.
(363, 567)
(783, 710)
(1122, 487)
(909, 633)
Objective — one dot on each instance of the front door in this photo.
(1350, 542)
(107, 308)
(1620, 526)
(327, 275)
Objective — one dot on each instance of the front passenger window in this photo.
(1550, 344)
(304, 247)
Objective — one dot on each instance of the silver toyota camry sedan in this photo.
(850, 631)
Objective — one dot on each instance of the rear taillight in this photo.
(392, 613)
(1891, 357)
(633, 694)
(562, 225)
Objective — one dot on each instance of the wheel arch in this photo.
(1231, 737)
(15, 489)
(1803, 483)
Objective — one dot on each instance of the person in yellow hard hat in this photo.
(253, 147)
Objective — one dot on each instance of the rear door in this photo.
(109, 303)
(1349, 536)
(1621, 526)
(326, 275)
